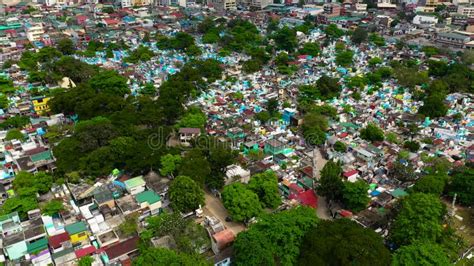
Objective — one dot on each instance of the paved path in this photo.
(214, 207)
(322, 210)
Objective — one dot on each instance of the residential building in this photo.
(34, 32)
(135, 185)
(466, 10)
(187, 134)
(150, 202)
(452, 39)
(40, 104)
(78, 232)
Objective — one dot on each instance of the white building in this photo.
(34, 32)
(221, 5)
(466, 10)
(424, 20)
(125, 3)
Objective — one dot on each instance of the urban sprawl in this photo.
(248, 132)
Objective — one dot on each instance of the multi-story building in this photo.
(466, 10)
(452, 39)
(34, 32)
(40, 104)
(125, 3)
(332, 9)
(260, 4)
(221, 5)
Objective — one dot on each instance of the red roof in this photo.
(85, 251)
(308, 198)
(56, 240)
(122, 248)
(343, 135)
(345, 213)
(111, 21)
(295, 188)
(350, 173)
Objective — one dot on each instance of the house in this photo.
(64, 257)
(186, 134)
(59, 242)
(15, 246)
(121, 251)
(78, 232)
(274, 146)
(10, 224)
(40, 104)
(234, 172)
(107, 238)
(351, 175)
(150, 202)
(222, 240)
(135, 185)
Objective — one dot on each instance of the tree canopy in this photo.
(355, 196)
(343, 242)
(372, 133)
(420, 253)
(330, 183)
(265, 185)
(418, 219)
(275, 239)
(242, 203)
(185, 194)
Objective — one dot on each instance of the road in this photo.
(214, 207)
(322, 210)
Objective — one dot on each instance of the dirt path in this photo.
(214, 207)
(322, 211)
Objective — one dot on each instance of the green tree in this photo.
(41, 182)
(314, 128)
(130, 225)
(86, 261)
(372, 133)
(21, 204)
(343, 242)
(375, 61)
(14, 134)
(420, 253)
(275, 239)
(265, 185)
(330, 183)
(411, 145)
(66, 46)
(355, 196)
(433, 184)
(195, 165)
(285, 39)
(52, 207)
(340, 146)
(359, 35)
(344, 58)
(220, 155)
(419, 219)
(433, 106)
(242, 203)
(462, 184)
(194, 117)
(333, 32)
(169, 164)
(163, 256)
(403, 172)
(185, 194)
(109, 82)
(377, 39)
(310, 48)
